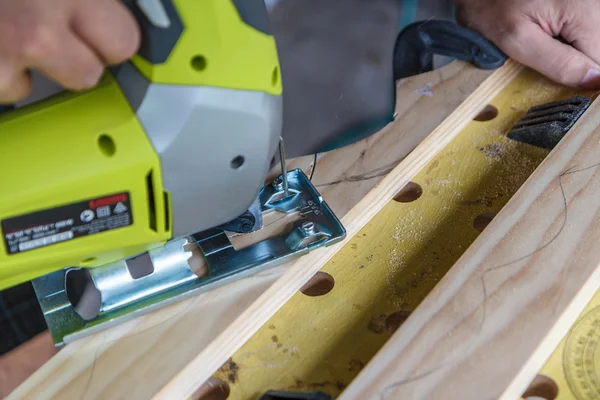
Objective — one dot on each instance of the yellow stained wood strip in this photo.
(384, 272)
(492, 322)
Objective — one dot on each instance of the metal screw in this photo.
(277, 183)
(283, 168)
(308, 228)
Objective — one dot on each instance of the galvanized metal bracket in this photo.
(124, 296)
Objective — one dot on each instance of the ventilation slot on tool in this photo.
(140, 266)
(151, 201)
(167, 212)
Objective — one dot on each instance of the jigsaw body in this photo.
(176, 141)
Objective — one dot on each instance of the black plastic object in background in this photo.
(21, 317)
(545, 125)
(413, 54)
(277, 395)
(417, 44)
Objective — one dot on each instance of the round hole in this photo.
(321, 283)
(82, 293)
(107, 145)
(237, 162)
(487, 114)
(275, 76)
(411, 192)
(199, 63)
(212, 389)
(393, 321)
(483, 220)
(542, 387)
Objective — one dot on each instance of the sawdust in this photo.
(355, 365)
(273, 355)
(543, 91)
(495, 130)
(396, 265)
(443, 182)
(397, 233)
(230, 369)
(493, 150)
(377, 324)
(510, 163)
(407, 231)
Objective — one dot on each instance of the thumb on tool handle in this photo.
(160, 25)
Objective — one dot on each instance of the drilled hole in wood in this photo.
(487, 114)
(321, 283)
(483, 220)
(411, 192)
(542, 387)
(212, 389)
(393, 321)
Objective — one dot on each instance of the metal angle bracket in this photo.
(123, 295)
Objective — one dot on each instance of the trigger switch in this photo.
(155, 11)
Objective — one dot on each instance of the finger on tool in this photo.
(67, 60)
(532, 46)
(109, 28)
(15, 84)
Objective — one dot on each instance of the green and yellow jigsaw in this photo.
(174, 142)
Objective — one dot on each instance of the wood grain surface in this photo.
(488, 327)
(221, 348)
(136, 359)
(384, 272)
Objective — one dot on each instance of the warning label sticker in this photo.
(56, 225)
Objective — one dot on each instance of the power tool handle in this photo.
(160, 25)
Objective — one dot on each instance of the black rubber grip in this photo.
(157, 42)
(418, 42)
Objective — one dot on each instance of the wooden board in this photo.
(112, 364)
(488, 327)
(385, 271)
(219, 350)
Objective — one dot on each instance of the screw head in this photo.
(308, 227)
(246, 225)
